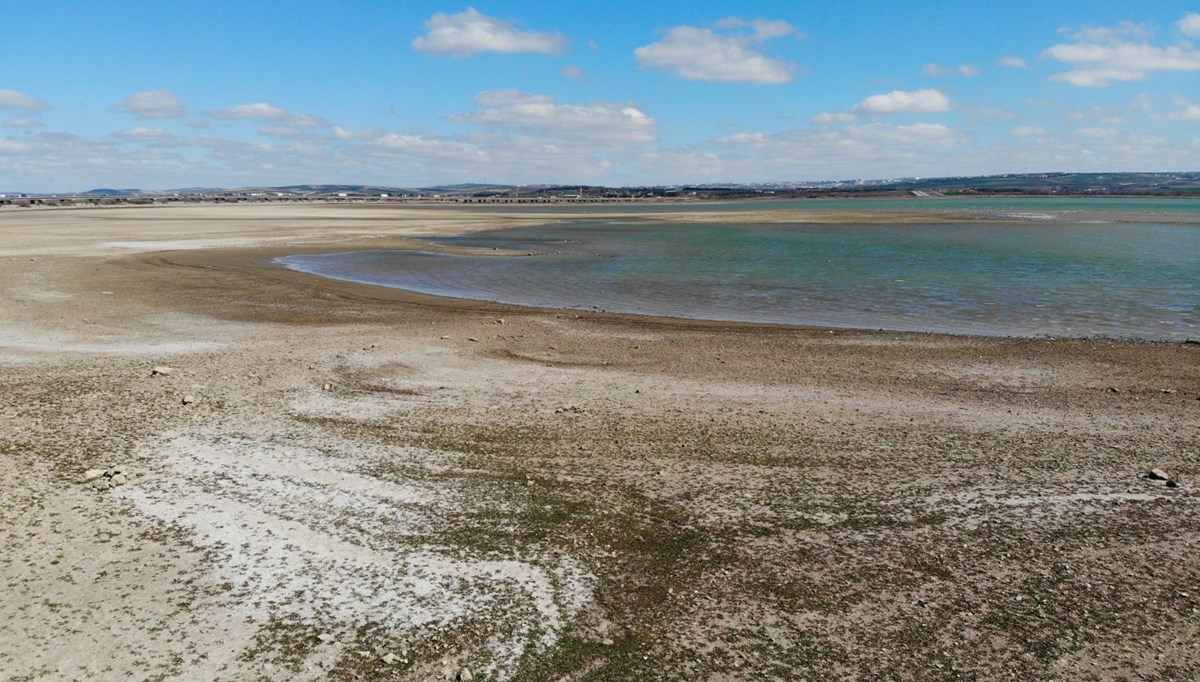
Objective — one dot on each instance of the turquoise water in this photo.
(1050, 278)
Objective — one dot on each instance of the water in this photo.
(1053, 278)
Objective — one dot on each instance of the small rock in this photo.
(118, 479)
(325, 637)
(162, 371)
(388, 658)
(607, 642)
(1156, 475)
(327, 387)
(189, 399)
(1113, 389)
(91, 475)
(472, 338)
(101, 483)
(1171, 483)
(1168, 391)
(465, 675)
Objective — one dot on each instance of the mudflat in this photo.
(219, 469)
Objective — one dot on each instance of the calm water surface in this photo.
(1056, 278)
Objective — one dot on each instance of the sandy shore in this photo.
(371, 484)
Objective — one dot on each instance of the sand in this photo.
(373, 484)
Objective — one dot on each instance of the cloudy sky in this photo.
(212, 93)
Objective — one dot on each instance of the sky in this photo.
(166, 95)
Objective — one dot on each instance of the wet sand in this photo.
(374, 484)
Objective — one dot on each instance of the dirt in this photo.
(571, 495)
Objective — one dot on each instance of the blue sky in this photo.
(168, 95)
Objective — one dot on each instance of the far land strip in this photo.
(298, 478)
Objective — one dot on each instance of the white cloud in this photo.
(472, 32)
(1013, 62)
(1186, 112)
(968, 70)
(1028, 131)
(826, 118)
(145, 135)
(575, 73)
(23, 123)
(151, 104)
(702, 54)
(1098, 133)
(902, 102)
(11, 99)
(599, 124)
(259, 110)
(1102, 56)
(13, 146)
(1189, 25)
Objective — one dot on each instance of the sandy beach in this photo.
(326, 480)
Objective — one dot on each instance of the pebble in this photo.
(325, 637)
(189, 399)
(327, 387)
(162, 371)
(465, 675)
(91, 475)
(388, 658)
(119, 479)
(1156, 475)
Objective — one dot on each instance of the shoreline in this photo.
(320, 468)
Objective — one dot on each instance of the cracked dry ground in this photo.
(597, 497)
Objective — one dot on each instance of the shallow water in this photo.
(1054, 278)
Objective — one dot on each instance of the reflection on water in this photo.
(1047, 278)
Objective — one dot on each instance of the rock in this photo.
(118, 479)
(162, 371)
(325, 637)
(465, 675)
(472, 338)
(388, 658)
(327, 387)
(1156, 475)
(1171, 483)
(91, 475)
(101, 483)
(189, 399)
(1113, 389)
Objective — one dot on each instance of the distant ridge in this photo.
(1181, 184)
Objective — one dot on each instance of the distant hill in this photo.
(103, 192)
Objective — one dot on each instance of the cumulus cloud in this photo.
(11, 99)
(151, 104)
(1101, 56)
(1028, 131)
(826, 118)
(145, 135)
(259, 111)
(695, 53)
(902, 102)
(1013, 62)
(598, 124)
(1189, 25)
(968, 70)
(23, 123)
(1186, 112)
(472, 32)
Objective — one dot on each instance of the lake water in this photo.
(1060, 275)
